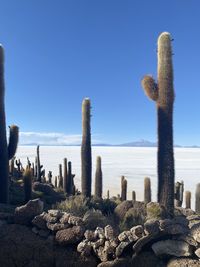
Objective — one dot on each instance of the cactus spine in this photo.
(163, 93)
(27, 177)
(147, 190)
(197, 199)
(86, 157)
(187, 199)
(123, 188)
(7, 151)
(98, 178)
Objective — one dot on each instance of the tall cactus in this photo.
(147, 190)
(187, 199)
(7, 151)
(86, 157)
(38, 166)
(60, 183)
(162, 93)
(27, 177)
(70, 183)
(98, 179)
(197, 199)
(65, 180)
(123, 188)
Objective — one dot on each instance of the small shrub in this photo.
(94, 218)
(77, 205)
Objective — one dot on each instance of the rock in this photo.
(101, 253)
(50, 219)
(151, 227)
(122, 208)
(47, 190)
(127, 236)
(197, 252)
(172, 247)
(25, 214)
(183, 211)
(98, 243)
(122, 262)
(187, 238)
(140, 243)
(156, 211)
(195, 232)
(75, 220)
(120, 248)
(44, 233)
(19, 246)
(99, 233)
(193, 219)
(55, 213)
(147, 259)
(65, 218)
(109, 233)
(69, 236)
(39, 221)
(84, 248)
(137, 231)
(90, 235)
(35, 230)
(183, 262)
(54, 227)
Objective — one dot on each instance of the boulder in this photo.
(69, 236)
(39, 221)
(183, 262)
(122, 262)
(156, 211)
(151, 227)
(195, 232)
(122, 208)
(172, 247)
(25, 214)
(109, 233)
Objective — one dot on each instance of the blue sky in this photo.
(60, 51)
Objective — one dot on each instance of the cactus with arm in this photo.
(162, 93)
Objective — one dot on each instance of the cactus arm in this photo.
(150, 87)
(13, 141)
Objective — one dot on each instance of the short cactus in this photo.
(98, 179)
(178, 193)
(40, 173)
(187, 199)
(56, 182)
(108, 194)
(133, 196)
(27, 177)
(147, 190)
(197, 199)
(163, 94)
(50, 177)
(86, 157)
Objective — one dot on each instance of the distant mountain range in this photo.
(139, 143)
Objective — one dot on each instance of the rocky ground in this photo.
(32, 237)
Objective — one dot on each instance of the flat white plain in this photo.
(134, 163)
